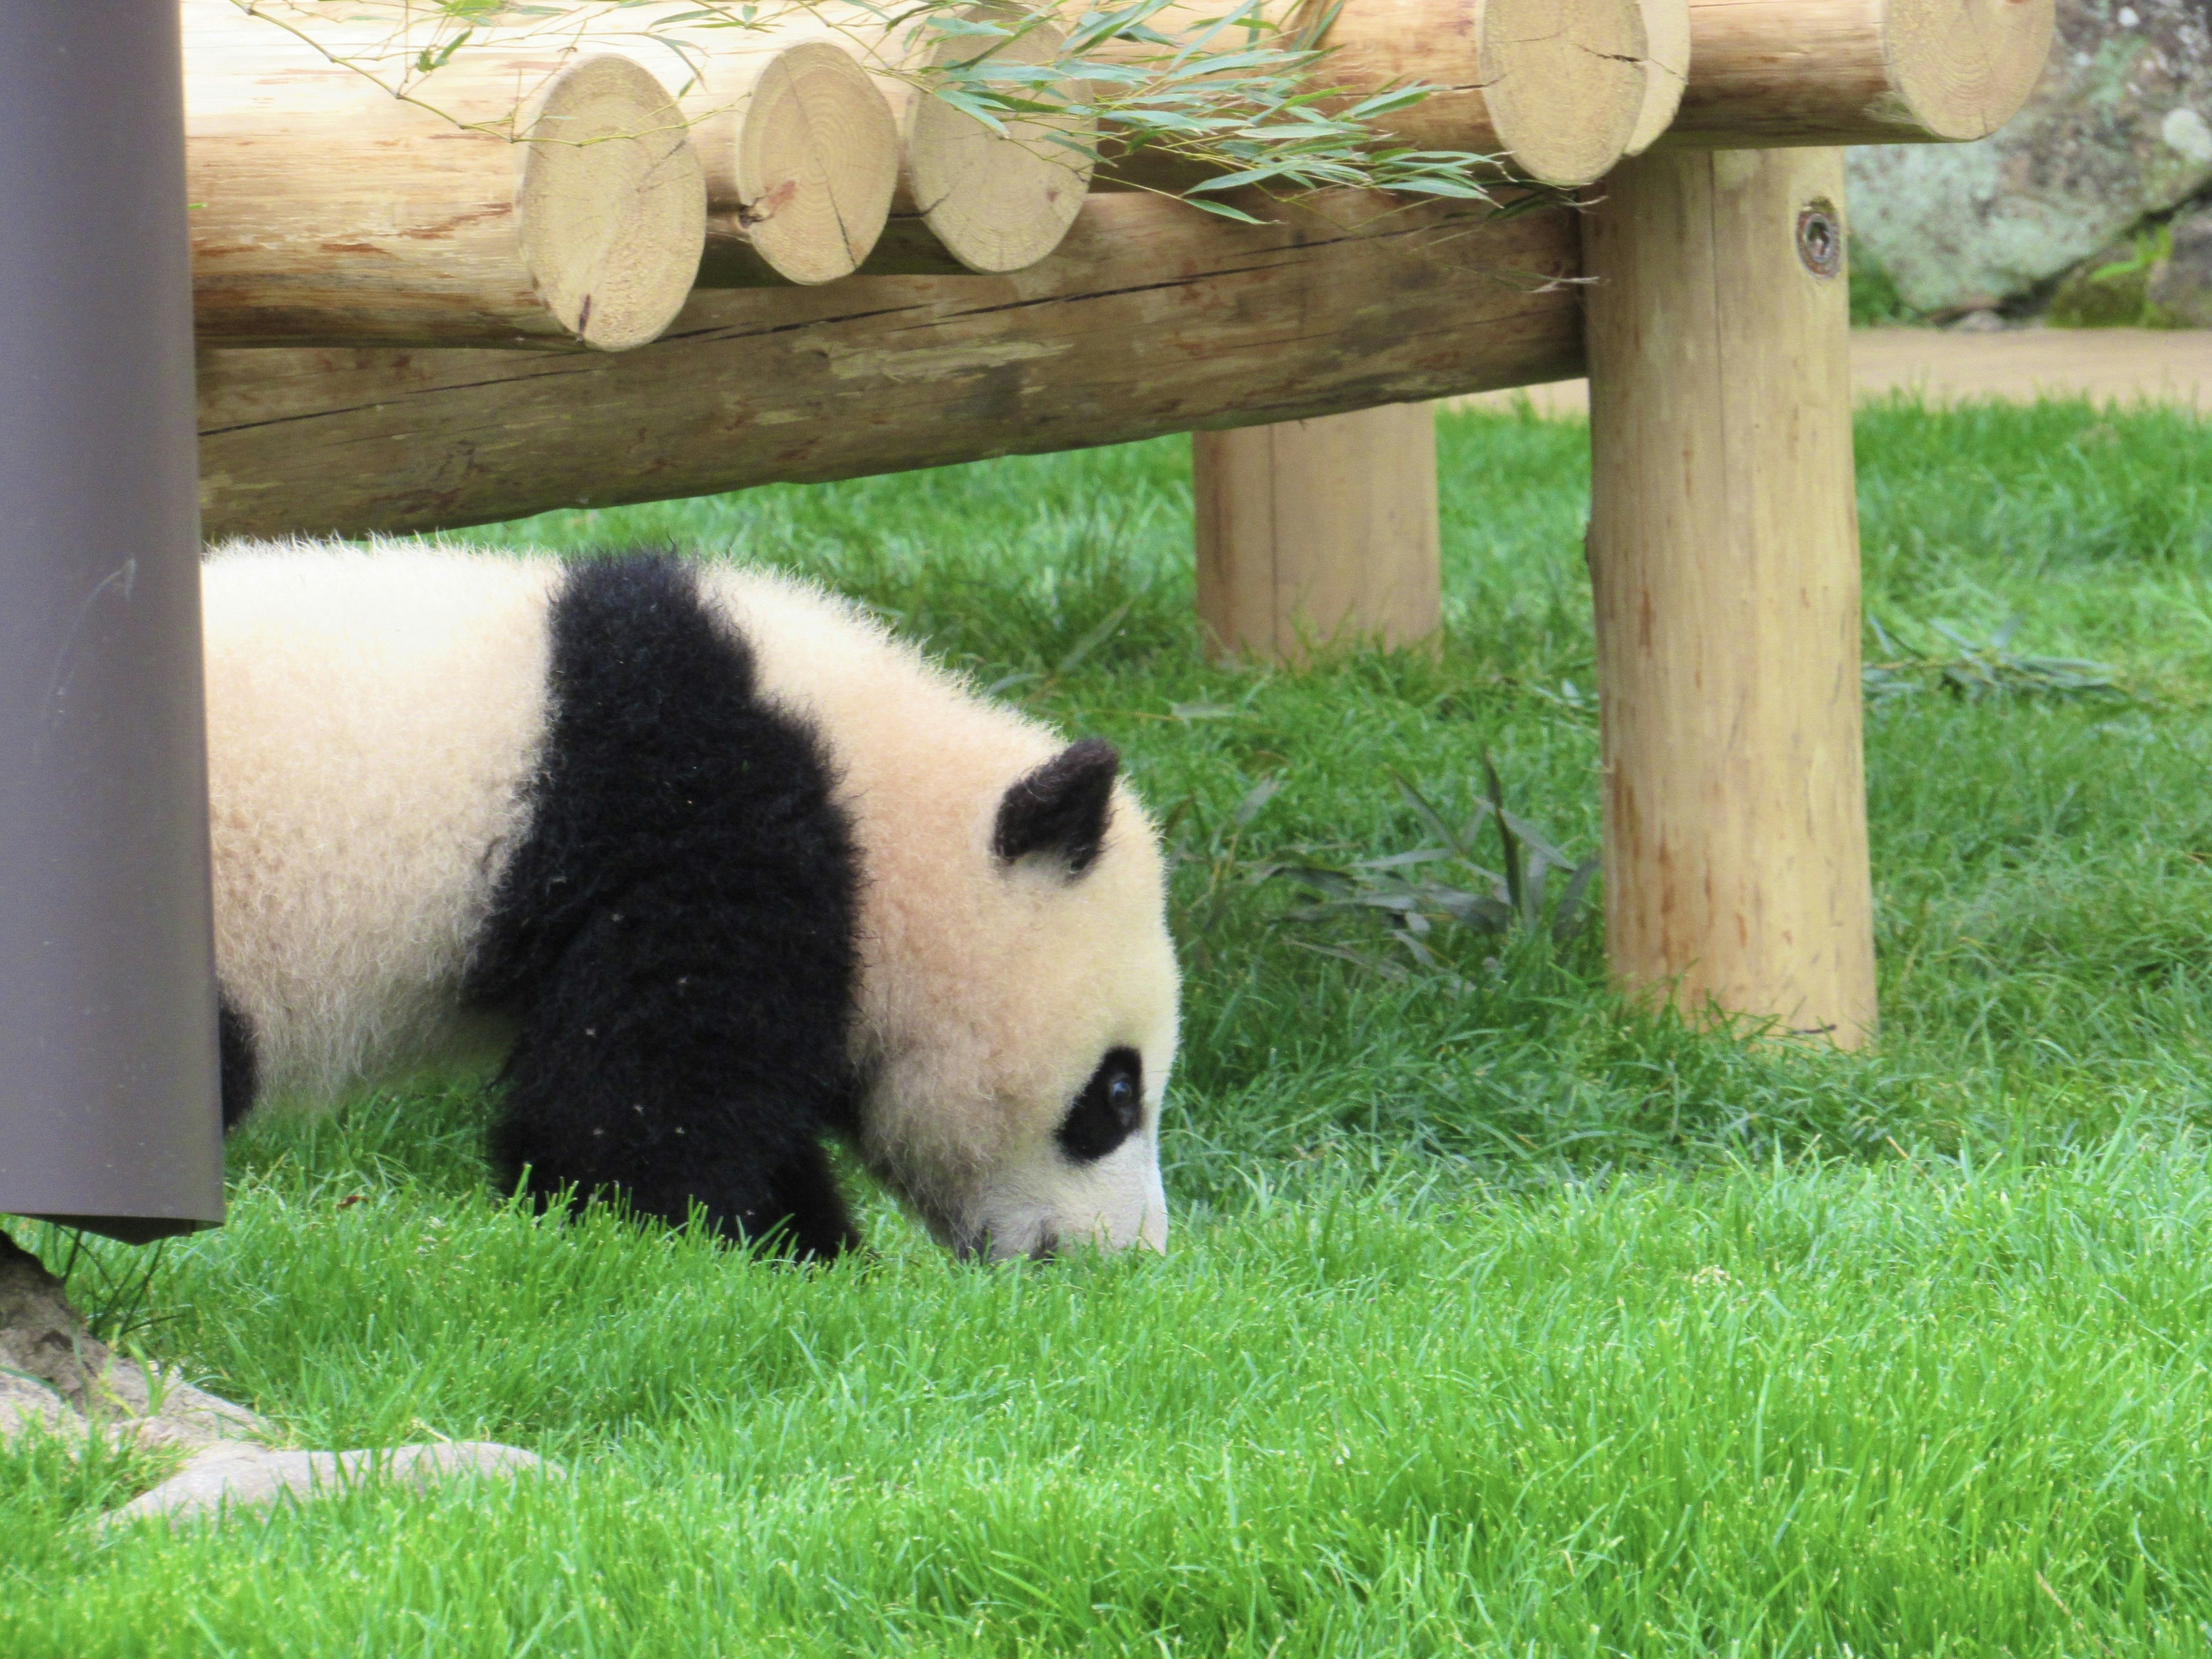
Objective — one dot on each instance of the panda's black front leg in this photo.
(652, 1067)
(674, 931)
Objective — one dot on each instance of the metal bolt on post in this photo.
(109, 1113)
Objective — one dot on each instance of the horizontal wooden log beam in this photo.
(1150, 317)
(1768, 74)
(325, 210)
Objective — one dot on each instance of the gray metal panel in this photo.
(109, 1114)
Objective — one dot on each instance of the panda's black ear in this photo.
(1061, 809)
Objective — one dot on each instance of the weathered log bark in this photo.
(1724, 551)
(1316, 532)
(1152, 318)
(1769, 72)
(326, 209)
(1555, 87)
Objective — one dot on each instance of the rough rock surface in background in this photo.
(2120, 126)
(2180, 289)
(235, 1478)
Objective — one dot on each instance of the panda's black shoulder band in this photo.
(674, 935)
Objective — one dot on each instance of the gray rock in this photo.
(2180, 287)
(57, 1378)
(26, 1404)
(49, 1363)
(2120, 126)
(236, 1478)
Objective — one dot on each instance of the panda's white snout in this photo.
(1110, 1204)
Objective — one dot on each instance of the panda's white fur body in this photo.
(376, 721)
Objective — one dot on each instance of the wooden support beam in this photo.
(1769, 72)
(1724, 550)
(1152, 318)
(1320, 530)
(325, 210)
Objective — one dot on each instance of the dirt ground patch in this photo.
(2121, 365)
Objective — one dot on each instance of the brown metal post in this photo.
(109, 1115)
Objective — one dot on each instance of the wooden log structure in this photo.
(972, 199)
(1770, 73)
(1722, 542)
(1152, 318)
(1666, 70)
(941, 193)
(810, 177)
(801, 156)
(1555, 88)
(324, 209)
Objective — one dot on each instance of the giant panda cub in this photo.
(714, 865)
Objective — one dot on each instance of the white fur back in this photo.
(372, 715)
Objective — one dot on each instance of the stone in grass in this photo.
(58, 1378)
(230, 1479)
(56, 1372)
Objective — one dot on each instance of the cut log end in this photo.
(612, 204)
(1666, 69)
(1963, 68)
(998, 201)
(1565, 83)
(815, 165)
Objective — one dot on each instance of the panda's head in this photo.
(1021, 1019)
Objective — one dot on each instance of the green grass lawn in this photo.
(1498, 1317)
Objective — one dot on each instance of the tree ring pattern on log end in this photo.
(1964, 68)
(613, 203)
(817, 164)
(1565, 82)
(998, 202)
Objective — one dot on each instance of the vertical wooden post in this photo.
(1723, 547)
(1321, 530)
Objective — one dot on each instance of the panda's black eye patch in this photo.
(1110, 1109)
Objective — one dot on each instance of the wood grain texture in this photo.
(1316, 532)
(1554, 87)
(803, 170)
(1772, 72)
(325, 210)
(993, 202)
(1724, 550)
(801, 155)
(1667, 61)
(1152, 318)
